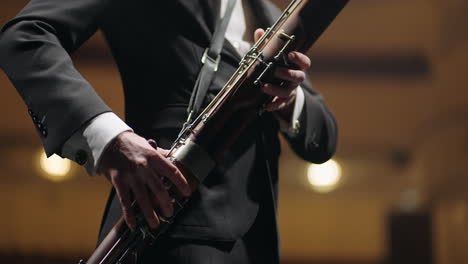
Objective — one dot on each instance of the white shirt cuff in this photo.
(86, 145)
(293, 128)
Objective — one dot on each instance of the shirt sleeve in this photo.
(293, 128)
(86, 145)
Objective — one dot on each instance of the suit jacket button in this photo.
(81, 157)
(44, 132)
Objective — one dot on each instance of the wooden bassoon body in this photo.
(205, 140)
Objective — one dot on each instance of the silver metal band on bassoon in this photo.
(195, 159)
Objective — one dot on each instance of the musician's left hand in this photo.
(285, 95)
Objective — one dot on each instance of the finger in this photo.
(163, 152)
(258, 34)
(165, 168)
(123, 193)
(160, 195)
(276, 105)
(301, 60)
(293, 76)
(282, 92)
(144, 203)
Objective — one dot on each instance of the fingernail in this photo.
(291, 55)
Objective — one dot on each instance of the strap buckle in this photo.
(213, 61)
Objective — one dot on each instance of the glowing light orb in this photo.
(324, 177)
(55, 168)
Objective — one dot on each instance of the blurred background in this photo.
(395, 73)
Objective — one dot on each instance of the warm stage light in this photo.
(324, 177)
(55, 168)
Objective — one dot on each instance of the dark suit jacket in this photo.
(157, 46)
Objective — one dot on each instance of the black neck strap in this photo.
(210, 61)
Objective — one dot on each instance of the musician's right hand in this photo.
(135, 168)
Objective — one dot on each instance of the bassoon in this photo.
(204, 141)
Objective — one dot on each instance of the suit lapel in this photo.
(263, 21)
(260, 9)
(228, 50)
(265, 13)
(206, 13)
(213, 6)
(197, 9)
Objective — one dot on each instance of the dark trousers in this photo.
(258, 245)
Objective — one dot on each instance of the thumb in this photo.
(258, 34)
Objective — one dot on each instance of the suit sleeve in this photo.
(34, 53)
(317, 140)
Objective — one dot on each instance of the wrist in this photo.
(109, 151)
